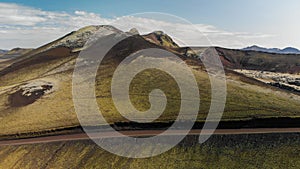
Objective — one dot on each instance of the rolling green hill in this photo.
(47, 71)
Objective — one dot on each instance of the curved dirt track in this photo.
(142, 133)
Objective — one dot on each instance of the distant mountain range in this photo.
(287, 50)
(3, 51)
(13, 53)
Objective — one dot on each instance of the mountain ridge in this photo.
(287, 50)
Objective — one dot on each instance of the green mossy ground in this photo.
(220, 151)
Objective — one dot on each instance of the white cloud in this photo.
(80, 12)
(185, 33)
(20, 15)
(24, 26)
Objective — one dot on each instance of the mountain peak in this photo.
(159, 33)
(290, 50)
(133, 31)
(77, 39)
(160, 38)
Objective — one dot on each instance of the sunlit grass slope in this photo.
(227, 151)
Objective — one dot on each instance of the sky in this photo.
(230, 23)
